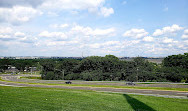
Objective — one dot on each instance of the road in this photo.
(162, 93)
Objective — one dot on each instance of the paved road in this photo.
(179, 94)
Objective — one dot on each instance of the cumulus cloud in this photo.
(73, 39)
(72, 4)
(103, 32)
(59, 43)
(105, 45)
(5, 37)
(11, 3)
(19, 34)
(148, 39)
(5, 33)
(185, 34)
(93, 6)
(60, 36)
(20, 11)
(167, 40)
(28, 39)
(106, 11)
(9, 34)
(5, 30)
(135, 33)
(167, 30)
(59, 25)
(88, 31)
(18, 14)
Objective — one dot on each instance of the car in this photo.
(130, 83)
(68, 82)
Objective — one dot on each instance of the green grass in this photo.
(161, 83)
(39, 99)
(146, 83)
(109, 86)
(181, 84)
(4, 73)
(31, 77)
(34, 73)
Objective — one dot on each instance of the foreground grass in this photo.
(28, 99)
(105, 86)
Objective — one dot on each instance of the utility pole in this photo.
(31, 70)
(63, 72)
(136, 71)
(82, 55)
(137, 75)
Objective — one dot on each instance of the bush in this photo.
(49, 76)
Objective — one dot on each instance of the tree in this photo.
(139, 70)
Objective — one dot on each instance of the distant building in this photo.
(157, 60)
(11, 69)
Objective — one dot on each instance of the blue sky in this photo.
(152, 28)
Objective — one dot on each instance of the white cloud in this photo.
(135, 33)
(167, 30)
(95, 45)
(5, 30)
(54, 35)
(28, 39)
(168, 40)
(158, 32)
(93, 6)
(111, 43)
(106, 11)
(18, 14)
(5, 36)
(88, 31)
(19, 34)
(5, 33)
(73, 4)
(185, 34)
(103, 32)
(59, 25)
(9, 34)
(148, 39)
(105, 45)
(63, 25)
(59, 43)
(127, 43)
(11, 3)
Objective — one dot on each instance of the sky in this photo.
(150, 28)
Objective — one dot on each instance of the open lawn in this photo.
(28, 99)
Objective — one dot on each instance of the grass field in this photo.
(35, 73)
(111, 86)
(28, 99)
(31, 77)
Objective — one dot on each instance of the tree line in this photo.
(109, 68)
